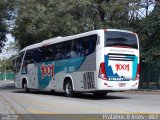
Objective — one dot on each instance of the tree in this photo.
(3, 26)
(37, 20)
(6, 9)
(6, 65)
(150, 35)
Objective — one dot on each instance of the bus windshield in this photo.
(121, 39)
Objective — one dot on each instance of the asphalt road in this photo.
(44, 105)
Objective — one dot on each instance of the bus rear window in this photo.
(121, 39)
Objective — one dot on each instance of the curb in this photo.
(144, 91)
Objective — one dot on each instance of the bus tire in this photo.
(26, 89)
(100, 94)
(68, 88)
(52, 91)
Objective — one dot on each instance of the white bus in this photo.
(97, 62)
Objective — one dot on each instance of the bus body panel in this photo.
(18, 80)
(51, 75)
(83, 71)
(123, 79)
(76, 70)
(19, 76)
(120, 65)
(123, 62)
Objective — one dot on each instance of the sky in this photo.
(8, 53)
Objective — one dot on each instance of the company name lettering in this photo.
(47, 70)
(122, 67)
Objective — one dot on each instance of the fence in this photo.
(8, 76)
(150, 76)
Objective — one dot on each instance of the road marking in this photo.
(68, 116)
(33, 111)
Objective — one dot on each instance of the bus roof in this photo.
(61, 39)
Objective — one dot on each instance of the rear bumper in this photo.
(117, 85)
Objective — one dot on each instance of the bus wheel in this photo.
(100, 94)
(26, 89)
(68, 89)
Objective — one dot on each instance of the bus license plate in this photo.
(122, 84)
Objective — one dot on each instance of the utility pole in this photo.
(5, 75)
(5, 71)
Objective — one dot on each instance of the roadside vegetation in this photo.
(32, 21)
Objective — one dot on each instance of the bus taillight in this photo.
(102, 72)
(138, 72)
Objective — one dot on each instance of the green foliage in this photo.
(150, 35)
(5, 64)
(6, 13)
(37, 20)
(3, 27)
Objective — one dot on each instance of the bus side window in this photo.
(47, 53)
(29, 57)
(81, 48)
(54, 51)
(89, 44)
(18, 62)
(37, 55)
(74, 51)
(67, 49)
(85, 45)
(93, 43)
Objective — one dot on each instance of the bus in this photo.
(98, 62)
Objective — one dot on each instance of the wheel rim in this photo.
(68, 88)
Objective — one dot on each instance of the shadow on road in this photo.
(7, 87)
(107, 97)
(88, 96)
